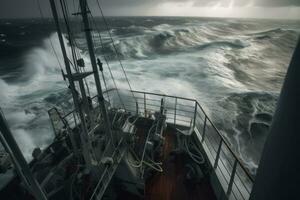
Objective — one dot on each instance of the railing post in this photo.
(204, 128)
(75, 121)
(230, 184)
(175, 111)
(218, 154)
(52, 123)
(195, 114)
(145, 105)
(137, 108)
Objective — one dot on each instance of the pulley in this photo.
(100, 64)
(80, 62)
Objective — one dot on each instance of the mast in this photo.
(11, 146)
(84, 14)
(84, 135)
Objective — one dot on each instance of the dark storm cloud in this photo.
(29, 8)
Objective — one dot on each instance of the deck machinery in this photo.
(147, 146)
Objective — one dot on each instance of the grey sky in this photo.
(212, 8)
(268, 3)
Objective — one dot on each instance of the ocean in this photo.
(234, 67)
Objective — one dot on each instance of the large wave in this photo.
(26, 100)
(164, 39)
(234, 68)
(246, 119)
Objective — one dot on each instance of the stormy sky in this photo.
(207, 8)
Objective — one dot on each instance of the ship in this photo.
(127, 144)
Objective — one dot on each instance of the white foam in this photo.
(202, 74)
(23, 103)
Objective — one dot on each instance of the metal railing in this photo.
(234, 177)
(187, 114)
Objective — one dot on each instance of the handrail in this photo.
(227, 145)
(212, 124)
(164, 95)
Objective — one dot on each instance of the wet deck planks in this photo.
(170, 184)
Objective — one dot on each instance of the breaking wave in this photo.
(235, 68)
(247, 121)
(27, 100)
(142, 42)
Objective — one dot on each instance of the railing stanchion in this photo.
(218, 154)
(195, 115)
(75, 121)
(230, 184)
(204, 128)
(145, 105)
(175, 112)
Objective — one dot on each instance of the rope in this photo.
(156, 166)
(116, 51)
(144, 150)
(199, 159)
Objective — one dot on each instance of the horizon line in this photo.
(191, 16)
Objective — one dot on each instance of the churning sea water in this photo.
(234, 67)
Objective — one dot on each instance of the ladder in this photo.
(109, 171)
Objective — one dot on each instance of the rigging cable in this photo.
(98, 61)
(73, 43)
(76, 49)
(52, 46)
(51, 43)
(105, 59)
(66, 19)
(116, 51)
(117, 89)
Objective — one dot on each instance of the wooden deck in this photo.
(171, 183)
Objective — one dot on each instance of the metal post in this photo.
(137, 108)
(84, 135)
(75, 121)
(13, 149)
(84, 98)
(195, 114)
(107, 92)
(84, 12)
(218, 154)
(204, 128)
(175, 112)
(53, 126)
(230, 184)
(145, 105)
